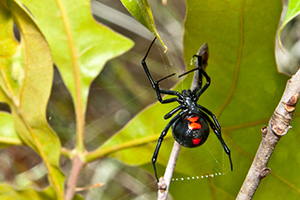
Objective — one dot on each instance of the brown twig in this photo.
(279, 125)
(76, 167)
(164, 182)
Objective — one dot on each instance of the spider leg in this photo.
(217, 131)
(172, 112)
(155, 84)
(206, 84)
(200, 62)
(199, 75)
(160, 140)
(199, 89)
(211, 115)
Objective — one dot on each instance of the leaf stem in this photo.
(279, 125)
(80, 113)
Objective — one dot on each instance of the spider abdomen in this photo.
(190, 131)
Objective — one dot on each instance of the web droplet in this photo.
(198, 177)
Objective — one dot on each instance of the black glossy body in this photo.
(190, 126)
(190, 133)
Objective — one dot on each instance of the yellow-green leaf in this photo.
(9, 193)
(293, 10)
(141, 11)
(79, 45)
(26, 73)
(8, 134)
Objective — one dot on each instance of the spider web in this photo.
(107, 113)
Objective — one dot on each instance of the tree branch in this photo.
(279, 125)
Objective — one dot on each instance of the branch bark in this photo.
(77, 164)
(164, 182)
(279, 125)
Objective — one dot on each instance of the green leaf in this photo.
(9, 193)
(138, 133)
(293, 10)
(8, 134)
(80, 47)
(26, 74)
(141, 11)
(244, 93)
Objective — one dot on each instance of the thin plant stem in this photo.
(77, 165)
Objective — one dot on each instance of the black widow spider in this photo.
(191, 125)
